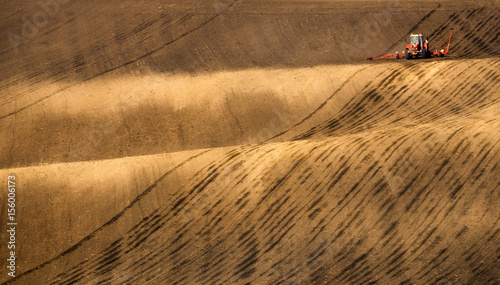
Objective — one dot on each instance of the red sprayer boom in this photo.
(449, 41)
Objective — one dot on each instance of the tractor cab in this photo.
(417, 47)
(416, 43)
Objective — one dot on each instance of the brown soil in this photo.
(236, 142)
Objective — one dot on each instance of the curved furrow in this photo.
(244, 142)
(408, 96)
(412, 198)
(98, 50)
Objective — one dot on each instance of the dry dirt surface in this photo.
(250, 142)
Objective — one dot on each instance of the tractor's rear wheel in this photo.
(407, 54)
(424, 53)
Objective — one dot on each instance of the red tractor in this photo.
(418, 48)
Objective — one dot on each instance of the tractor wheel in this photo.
(424, 53)
(440, 54)
(407, 54)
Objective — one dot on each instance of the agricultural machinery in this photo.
(418, 48)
